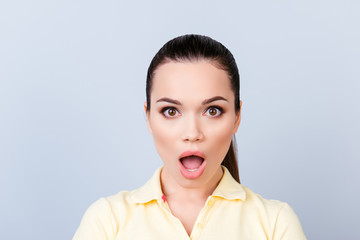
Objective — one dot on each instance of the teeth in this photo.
(192, 170)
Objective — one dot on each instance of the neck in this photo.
(189, 189)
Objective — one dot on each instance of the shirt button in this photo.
(210, 202)
(199, 225)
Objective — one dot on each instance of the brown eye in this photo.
(214, 111)
(170, 112)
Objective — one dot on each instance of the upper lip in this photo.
(192, 153)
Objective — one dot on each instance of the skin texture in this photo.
(189, 124)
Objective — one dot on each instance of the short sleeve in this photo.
(287, 226)
(98, 222)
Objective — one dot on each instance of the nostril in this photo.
(192, 132)
(196, 138)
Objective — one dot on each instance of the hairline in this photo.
(192, 59)
(195, 59)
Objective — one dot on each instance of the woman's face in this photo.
(192, 119)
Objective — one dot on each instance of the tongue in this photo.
(191, 162)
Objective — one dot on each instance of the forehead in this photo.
(184, 80)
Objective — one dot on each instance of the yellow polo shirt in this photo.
(231, 212)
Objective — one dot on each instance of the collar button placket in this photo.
(202, 219)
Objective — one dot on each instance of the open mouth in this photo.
(191, 163)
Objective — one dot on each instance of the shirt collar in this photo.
(151, 190)
(228, 188)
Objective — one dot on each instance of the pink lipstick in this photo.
(192, 164)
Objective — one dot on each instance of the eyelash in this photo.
(219, 109)
(165, 109)
(166, 115)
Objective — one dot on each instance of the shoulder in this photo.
(102, 218)
(110, 202)
(106, 216)
(255, 199)
(112, 207)
(279, 216)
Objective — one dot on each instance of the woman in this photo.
(193, 111)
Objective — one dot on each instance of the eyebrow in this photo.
(169, 100)
(213, 99)
(206, 101)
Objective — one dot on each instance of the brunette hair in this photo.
(193, 47)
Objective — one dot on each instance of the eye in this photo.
(214, 111)
(170, 112)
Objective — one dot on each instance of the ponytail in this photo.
(230, 160)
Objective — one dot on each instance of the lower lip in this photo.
(193, 174)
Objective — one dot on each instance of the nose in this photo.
(192, 130)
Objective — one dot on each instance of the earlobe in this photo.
(147, 117)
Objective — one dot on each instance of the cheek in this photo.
(164, 138)
(219, 136)
(220, 129)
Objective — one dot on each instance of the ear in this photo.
(147, 117)
(238, 119)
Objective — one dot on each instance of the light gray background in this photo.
(72, 87)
